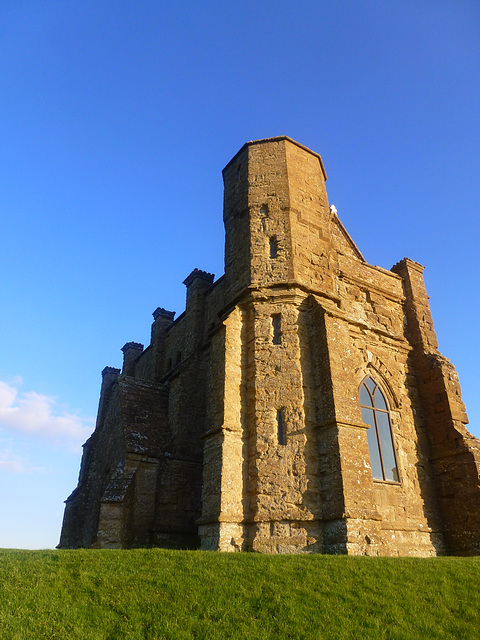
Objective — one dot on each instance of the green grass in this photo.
(187, 594)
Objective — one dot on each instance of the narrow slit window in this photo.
(273, 247)
(379, 434)
(239, 173)
(280, 428)
(277, 333)
(264, 217)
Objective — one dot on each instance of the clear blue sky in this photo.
(116, 119)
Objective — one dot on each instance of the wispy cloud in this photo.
(41, 416)
(18, 465)
(11, 462)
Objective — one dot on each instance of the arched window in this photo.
(379, 435)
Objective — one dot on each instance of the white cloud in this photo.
(18, 465)
(41, 416)
(10, 462)
(15, 466)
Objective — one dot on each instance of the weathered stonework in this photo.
(240, 427)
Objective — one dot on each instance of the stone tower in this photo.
(298, 405)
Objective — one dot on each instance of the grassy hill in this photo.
(187, 594)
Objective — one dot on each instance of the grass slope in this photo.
(153, 593)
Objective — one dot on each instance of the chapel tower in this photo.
(293, 428)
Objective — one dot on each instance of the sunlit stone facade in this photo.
(298, 405)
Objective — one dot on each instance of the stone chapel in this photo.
(299, 404)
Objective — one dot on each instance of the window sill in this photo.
(395, 483)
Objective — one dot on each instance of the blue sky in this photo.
(116, 119)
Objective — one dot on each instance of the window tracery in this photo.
(379, 435)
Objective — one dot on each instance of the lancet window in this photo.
(379, 435)
(277, 330)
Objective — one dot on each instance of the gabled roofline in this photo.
(276, 139)
(348, 237)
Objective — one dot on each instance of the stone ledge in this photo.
(112, 370)
(161, 312)
(407, 262)
(132, 345)
(198, 273)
